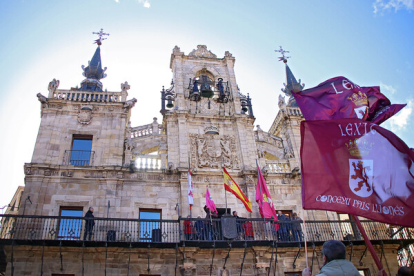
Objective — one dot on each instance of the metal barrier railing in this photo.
(15, 227)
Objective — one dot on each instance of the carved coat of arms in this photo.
(85, 115)
(213, 151)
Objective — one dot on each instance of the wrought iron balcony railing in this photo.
(197, 231)
(78, 157)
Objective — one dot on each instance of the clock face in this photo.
(208, 106)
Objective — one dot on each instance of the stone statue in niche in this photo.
(214, 151)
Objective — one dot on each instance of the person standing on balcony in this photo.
(283, 232)
(238, 224)
(89, 224)
(199, 227)
(296, 229)
(209, 225)
(334, 262)
(188, 229)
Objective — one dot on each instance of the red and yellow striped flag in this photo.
(231, 186)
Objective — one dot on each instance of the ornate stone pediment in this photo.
(212, 151)
(202, 52)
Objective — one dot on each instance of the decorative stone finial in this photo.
(125, 86)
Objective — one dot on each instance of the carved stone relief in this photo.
(85, 115)
(202, 52)
(211, 151)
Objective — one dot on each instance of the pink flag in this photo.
(263, 198)
(190, 189)
(339, 98)
(357, 167)
(209, 202)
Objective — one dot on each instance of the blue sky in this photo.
(369, 42)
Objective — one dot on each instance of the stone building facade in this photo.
(88, 154)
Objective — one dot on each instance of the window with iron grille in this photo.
(70, 229)
(81, 152)
(150, 231)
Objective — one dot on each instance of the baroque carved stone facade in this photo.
(135, 169)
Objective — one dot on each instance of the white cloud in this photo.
(117, 1)
(147, 4)
(401, 119)
(383, 5)
(387, 88)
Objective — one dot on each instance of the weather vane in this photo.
(101, 34)
(283, 52)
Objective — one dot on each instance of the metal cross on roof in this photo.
(283, 52)
(101, 34)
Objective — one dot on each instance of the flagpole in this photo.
(369, 245)
(189, 169)
(225, 191)
(306, 239)
(261, 198)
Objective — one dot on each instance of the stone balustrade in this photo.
(146, 130)
(87, 96)
(276, 166)
(148, 162)
(261, 136)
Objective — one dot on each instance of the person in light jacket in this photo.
(334, 262)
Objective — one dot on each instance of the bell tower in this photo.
(206, 116)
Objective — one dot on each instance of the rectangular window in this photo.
(81, 150)
(149, 231)
(70, 229)
(364, 271)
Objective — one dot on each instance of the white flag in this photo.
(190, 189)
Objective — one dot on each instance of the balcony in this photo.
(71, 231)
(78, 157)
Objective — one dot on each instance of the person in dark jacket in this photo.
(199, 228)
(283, 230)
(296, 229)
(89, 223)
(334, 262)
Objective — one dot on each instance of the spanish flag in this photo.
(231, 186)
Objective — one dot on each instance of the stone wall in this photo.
(27, 260)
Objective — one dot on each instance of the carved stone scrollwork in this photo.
(249, 179)
(202, 52)
(187, 269)
(212, 151)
